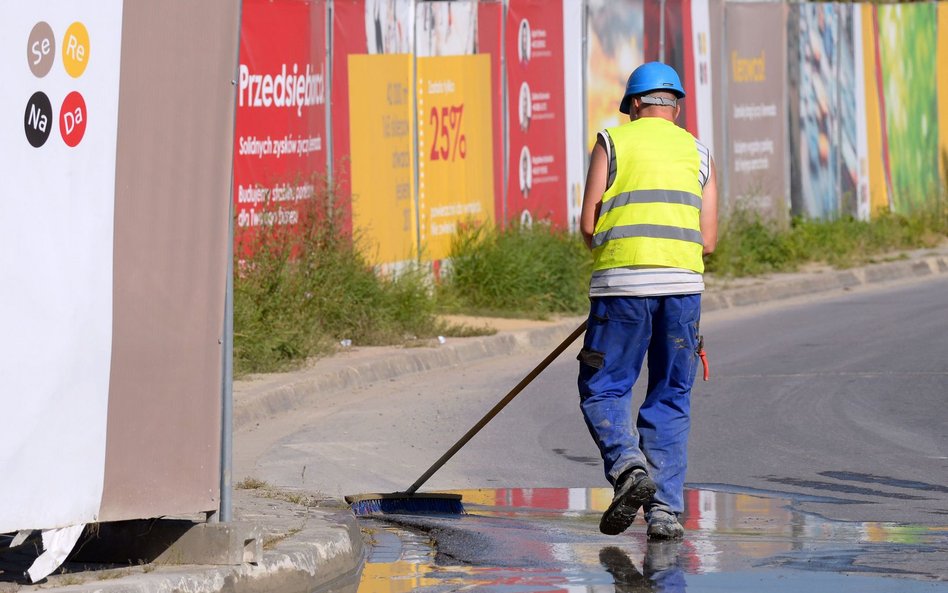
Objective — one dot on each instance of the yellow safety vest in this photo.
(651, 213)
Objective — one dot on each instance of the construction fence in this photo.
(428, 113)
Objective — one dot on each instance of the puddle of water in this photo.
(524, 540)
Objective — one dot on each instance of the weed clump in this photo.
(300, 290)
(532, 271)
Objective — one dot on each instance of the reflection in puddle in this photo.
(516, 540)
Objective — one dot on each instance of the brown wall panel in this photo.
(173, 173)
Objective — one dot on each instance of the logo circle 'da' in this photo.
(37, 121)
(72, 119)
(41, 49)
(76, 49)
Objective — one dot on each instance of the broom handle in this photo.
(497, 408)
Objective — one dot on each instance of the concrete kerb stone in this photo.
(303, 387)
(307, 550)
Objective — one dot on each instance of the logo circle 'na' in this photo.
(37, 121)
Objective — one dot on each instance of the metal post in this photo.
(328, 97)
(227, 391)
(505, 108)
(416, 146)
(225, 512)
(661, 31)
(724, 173)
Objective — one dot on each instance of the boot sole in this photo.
(623, 509)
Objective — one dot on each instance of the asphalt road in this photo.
(839, 403)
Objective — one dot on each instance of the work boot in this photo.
(664, 525)
(633, 489)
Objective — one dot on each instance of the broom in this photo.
(410, 501)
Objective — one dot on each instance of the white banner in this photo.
(704, 104)
(60, 71)
(573, 83)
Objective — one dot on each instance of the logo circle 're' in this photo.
(41, 49)
(76, 49)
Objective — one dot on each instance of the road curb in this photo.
(306, 550)
(302, 387)
(797, 285)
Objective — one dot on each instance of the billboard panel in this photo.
(281, 145)
(59, 138)
(537, 131)
(756, 119)
(348, 38)
(383, 207)
(825, 169)
(127, 157)
(573, 103)
(942, 90)
(455, 148)
(614, 32)
(490, 25)
(907, 39)
(668, 39)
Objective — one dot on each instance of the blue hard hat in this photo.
(649, 77)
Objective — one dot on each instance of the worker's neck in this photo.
(658, 111)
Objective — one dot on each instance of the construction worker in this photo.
(649, 215)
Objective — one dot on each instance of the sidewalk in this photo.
(319, 547)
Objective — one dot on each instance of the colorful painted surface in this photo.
(907, 43)
(614, 33)
(827, 111)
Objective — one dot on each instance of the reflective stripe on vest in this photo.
(651, 214)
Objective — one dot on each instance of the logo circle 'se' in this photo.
(38, 119)
(72, 119)
(41, 49)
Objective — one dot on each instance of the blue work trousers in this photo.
(620, 332)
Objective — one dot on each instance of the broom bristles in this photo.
(401, 503)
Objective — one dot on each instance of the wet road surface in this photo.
(525, 540)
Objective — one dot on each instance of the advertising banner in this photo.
(614, 32)
(756, 89)
(280, 145)
(823, 74)
(383, 208)
(875, 169)
(701, 96)
(537, 131)
(455, 148)
(674, 49)
(573, 103)
(120, 283)
(61, 73)
(348, 38)
(907, 38)
(942, 69)
(490, 24)
(861, 117)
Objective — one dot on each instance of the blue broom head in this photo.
(401, 503)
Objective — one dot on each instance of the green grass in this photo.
(749, 246)
(532, 272)
(299, 293)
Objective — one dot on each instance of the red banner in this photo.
(490, 17)
(348, 37)
(280, 140)
(537, 130)
(678, 50)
